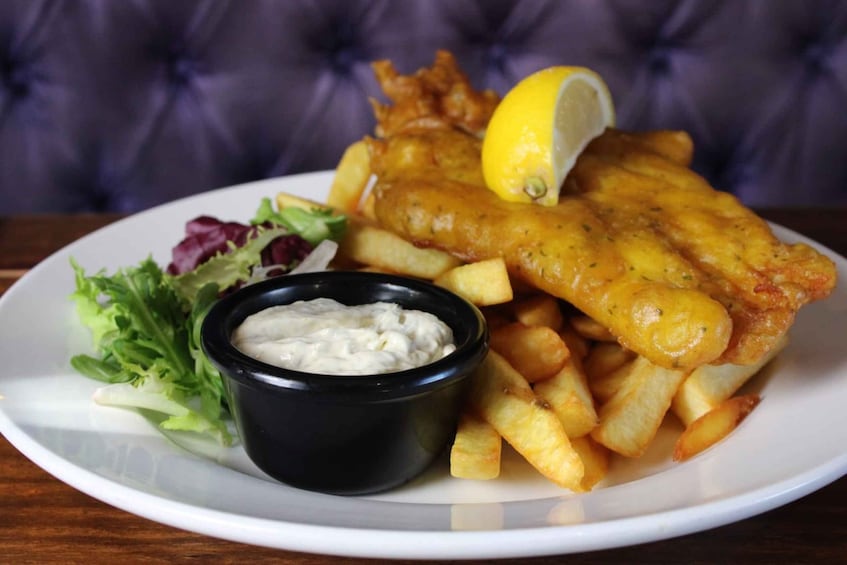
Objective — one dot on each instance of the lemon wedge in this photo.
(540, 128)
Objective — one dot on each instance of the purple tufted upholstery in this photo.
(124, 104)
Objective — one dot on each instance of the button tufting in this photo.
(16, 78)
(341, 48)
(181, 68)
(497, 54)
(69, 65)
(659, 61)
(816, 56)
(343, 58)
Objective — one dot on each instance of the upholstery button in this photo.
(180, 67)
(341, 47)
(816, 55)
(181, 70)
(659, 61)
(497, 57)
(16, 79)
(343, 59)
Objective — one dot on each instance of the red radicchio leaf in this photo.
(206, 236)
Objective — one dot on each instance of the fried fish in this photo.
(679, 272)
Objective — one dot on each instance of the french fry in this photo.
(483, 283)
(709, 385)
(605, 357)
(476, 449)
(577, 344)
(595, 459)
(378, 249)
(369, 244)
(591, 329)
(630, 419)
(536, 352)
(713, 426)
(366, 206)
(505, 400)
(539, 310)
(604, 386)
(286, 200)
(496, 316)
(351, 178)
(567, 393)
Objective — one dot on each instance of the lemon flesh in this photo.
(539, 129)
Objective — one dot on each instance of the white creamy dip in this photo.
(325, 336)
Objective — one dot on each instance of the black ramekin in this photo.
(345, 434)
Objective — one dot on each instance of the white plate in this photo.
(792, 444)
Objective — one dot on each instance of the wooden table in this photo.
(43, 520)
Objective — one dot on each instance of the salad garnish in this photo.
(145, 320)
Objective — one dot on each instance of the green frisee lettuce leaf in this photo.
(313, 225)
(146, 337)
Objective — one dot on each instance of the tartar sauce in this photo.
(325, 336)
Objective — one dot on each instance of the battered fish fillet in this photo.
(679, 272)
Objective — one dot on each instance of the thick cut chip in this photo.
(590, 328)
(568, 394)
(630, 419)
(604, 386)
(595, 458)
(366, 207)
(476, 449)
(577, 344)
(369, 244)
(708, 386)
(286, 200)
(506, 401)
(713, 426)
(366, 243)
(536, 352)
(496, 317)
(539, 310)
(483, 283)
(351, 178)
(604, 358)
